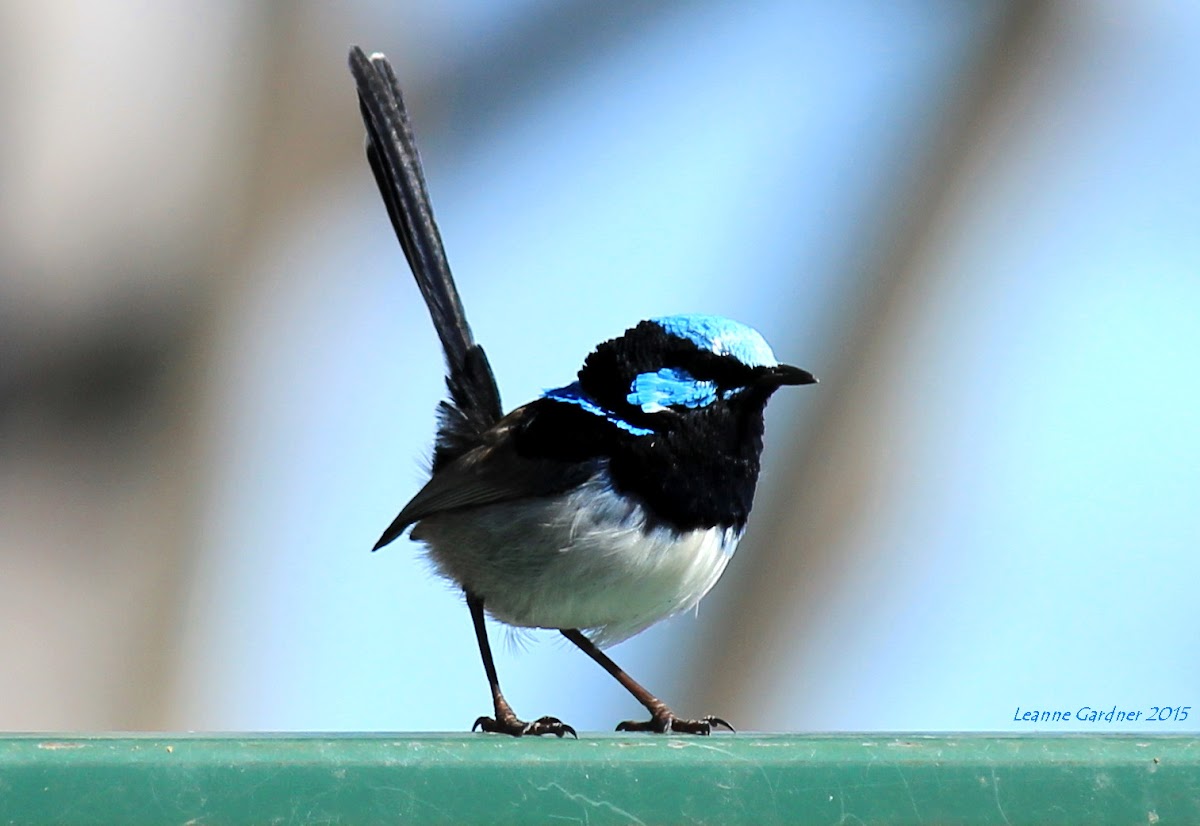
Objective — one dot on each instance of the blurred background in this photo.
(976, 222)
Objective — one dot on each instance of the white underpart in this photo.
(580, 560)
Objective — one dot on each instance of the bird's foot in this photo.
(510, 724)
(665, 721)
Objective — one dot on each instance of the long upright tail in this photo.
(392, 153)
(474, 404)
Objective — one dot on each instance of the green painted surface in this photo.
(599, 779)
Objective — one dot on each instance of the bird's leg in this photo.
(505, 721)
(662, 719)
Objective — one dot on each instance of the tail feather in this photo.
(474, 404)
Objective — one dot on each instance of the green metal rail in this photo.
(598, 779)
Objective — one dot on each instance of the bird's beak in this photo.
(782, 374)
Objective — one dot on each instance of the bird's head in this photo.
(667, 369)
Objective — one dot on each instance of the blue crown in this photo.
(722, 336)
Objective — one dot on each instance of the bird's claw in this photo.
(668, 722)
(519, 728)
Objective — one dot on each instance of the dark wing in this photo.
(474, 404)
(503, 469)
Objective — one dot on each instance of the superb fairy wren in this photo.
(607, 504)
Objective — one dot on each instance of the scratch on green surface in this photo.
(595, 804)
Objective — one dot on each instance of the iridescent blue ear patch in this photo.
(573, 394)
(722, 336)
(670, 387)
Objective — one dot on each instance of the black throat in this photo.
(699, 473)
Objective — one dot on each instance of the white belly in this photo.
(582, 560)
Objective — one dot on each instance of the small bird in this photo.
(606, 504)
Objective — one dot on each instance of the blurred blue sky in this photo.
(1034, 540)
